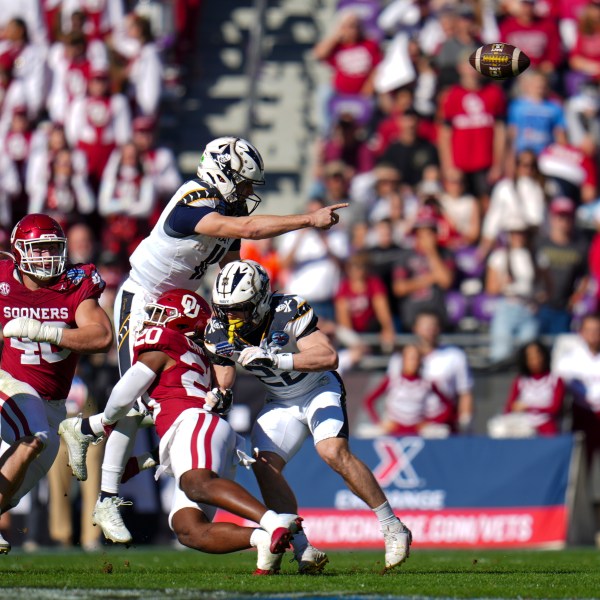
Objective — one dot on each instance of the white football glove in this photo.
(32, 329)
(254, 356)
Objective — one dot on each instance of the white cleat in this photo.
(398, 539)
(311, 561)
(107, 515)
(77, 445)
(5, 546)
(267, 563)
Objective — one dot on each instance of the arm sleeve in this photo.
(184, 218)
(131, 386)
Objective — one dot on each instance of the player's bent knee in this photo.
(191, 526)
(196, 484)
(30, 446)
(335, 453)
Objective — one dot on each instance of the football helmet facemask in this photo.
(39, 246)
(233, 165)
(179, 310)
(242, 287)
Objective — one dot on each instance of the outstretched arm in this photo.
(259, 227)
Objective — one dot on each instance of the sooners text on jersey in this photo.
(47, 368)
(183, 385)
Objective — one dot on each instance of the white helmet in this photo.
(242, 285)
(227, 161)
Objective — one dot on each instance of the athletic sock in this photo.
(104, 495)
(299, 543)
(385, 514)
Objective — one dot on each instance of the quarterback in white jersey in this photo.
(275, 337)
(201, 225)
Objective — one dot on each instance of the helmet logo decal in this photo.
(191, 308)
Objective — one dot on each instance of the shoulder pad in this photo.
(199, 190)
(76, 275)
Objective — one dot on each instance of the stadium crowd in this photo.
(473, 204)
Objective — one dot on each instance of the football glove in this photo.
(218, 401)
(24, 327)
(253, 356)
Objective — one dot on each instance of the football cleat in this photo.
(281, 536)
(267, 563)
(107, 515)
(77, 445)
(4, 545)
(311, 561)
(398, 539)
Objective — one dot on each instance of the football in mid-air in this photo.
(499, 61)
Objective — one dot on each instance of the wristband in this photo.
(285, 361)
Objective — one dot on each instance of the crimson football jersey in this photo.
(180, 387)
(47, 368)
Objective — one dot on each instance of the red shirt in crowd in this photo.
(360, 304)
(353, 63)
(540, 40)
(472, 115)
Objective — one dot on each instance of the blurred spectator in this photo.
(579, 368)
(362, 304)
(461, 210)
(513, 276)
(461, 33)
(158, 161)
(534, 120)
(336, 188)
(582, 113)
(48, 140)
(537, 36)
(562, 253)
(126, 201)
(17, 144)
(347, 144)
(81, 244)
(12, 95)
(66, 197)
(312, 260)
(409, 153)
(135, 42)
(584, 58)
(98, 123)
(569, 171)
(352, 56)
(99, 18)
(447, 367)
(29, 11)
(27, 61)
(70, 62)
(264, 252)
(521, 195)
(407, 392)
(423, 274)
(536, 393)
(9, 189)
(472, 135)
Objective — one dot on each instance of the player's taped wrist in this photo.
(51, 334)
(284, 361)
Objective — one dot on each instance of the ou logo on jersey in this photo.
(396, 456)
(190, 305)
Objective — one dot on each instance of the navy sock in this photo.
(85, 427)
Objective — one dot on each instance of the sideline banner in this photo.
(457, 492)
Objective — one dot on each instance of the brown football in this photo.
(499, 61)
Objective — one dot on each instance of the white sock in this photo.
(385, 514)
(299, 543)
(270, 521)
(255, 537)
(96, 424)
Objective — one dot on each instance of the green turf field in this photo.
(460, 574)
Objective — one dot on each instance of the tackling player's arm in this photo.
(134, 383)
(259, 227)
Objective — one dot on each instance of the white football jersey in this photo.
(290, 318)
(166, 259)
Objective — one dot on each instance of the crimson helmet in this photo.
(39, 246)
(180, 310)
